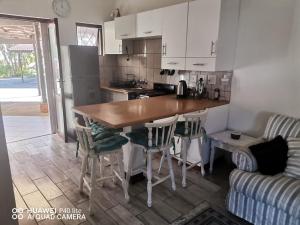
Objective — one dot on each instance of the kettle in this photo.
(182, 90)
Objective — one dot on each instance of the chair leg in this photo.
(212, 157)
(149, 178)
(101, 159)
(122, 175)
(184, 159)
(162, 159)
(181, 147)
(83, 172)
(112, 167)
(93, 185)
(171, 169)
(201, 158)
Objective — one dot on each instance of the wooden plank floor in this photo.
(46, 172)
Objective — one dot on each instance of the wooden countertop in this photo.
(133, 112)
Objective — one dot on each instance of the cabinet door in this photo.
(203, 28)
(111, 45)
(149, 23)
(125, 27)
(174, 30)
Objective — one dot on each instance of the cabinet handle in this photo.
(172, 63)
(124, 35)
(199, 64)
(212, 48)
(148, 32)
(164, 49)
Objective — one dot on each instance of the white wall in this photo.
(6, 191)
(133, 6)
(264, 79)
(89, 11)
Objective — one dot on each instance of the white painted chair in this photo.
(156, 137)
(110, 148)
(191, 128)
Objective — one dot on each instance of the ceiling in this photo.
(16, 31)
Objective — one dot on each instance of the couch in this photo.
(261, 199)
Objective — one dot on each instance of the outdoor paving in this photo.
(15, 90)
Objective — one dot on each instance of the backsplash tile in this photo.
(145, 64)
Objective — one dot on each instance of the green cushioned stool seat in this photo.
(140, 136)
(111, 143)
(180, 128)
(100, 131)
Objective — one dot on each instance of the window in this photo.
(89, 35)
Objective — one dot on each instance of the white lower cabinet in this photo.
(112, 96)
(216, 121)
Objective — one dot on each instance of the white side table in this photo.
(224, 141)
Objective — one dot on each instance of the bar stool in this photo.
(191, 128)
(92, 150)
(155, 137)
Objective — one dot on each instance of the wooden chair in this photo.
(111, 148)
(155, 137)
(191, 128)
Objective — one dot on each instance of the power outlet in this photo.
(193, 78)
(212, 79)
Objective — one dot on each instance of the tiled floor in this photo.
(23, 127)
(45, 174)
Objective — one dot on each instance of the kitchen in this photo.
(168, 86)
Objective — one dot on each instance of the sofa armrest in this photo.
(244, 160)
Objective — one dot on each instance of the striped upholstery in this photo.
(244, 160)
(282, 125)
(257, 212)
(264, 199)
(293, 163)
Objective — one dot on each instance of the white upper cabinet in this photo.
(174, 30)
(111, 44)
(203, 28)
(174, 36)
(125, 27)
(149, 23)
(212, 34)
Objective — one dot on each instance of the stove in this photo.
(158, 90)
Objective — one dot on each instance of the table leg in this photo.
(212, 156)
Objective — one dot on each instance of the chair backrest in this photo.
(87, 121)
(163, 132)
(194, 123)
(84, 135)
(282, 125)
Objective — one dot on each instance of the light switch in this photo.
(212, 79)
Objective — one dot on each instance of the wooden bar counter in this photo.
(129, 113)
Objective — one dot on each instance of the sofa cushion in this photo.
(271, 156)
(293, 163)
(279, 191)
(282, 125)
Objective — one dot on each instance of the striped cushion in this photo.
(293, 164)
(279, 191)
(282, 125)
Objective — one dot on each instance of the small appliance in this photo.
(182, 90)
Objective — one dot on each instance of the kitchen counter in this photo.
(119, 90)
(129, 113)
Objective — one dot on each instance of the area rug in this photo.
(206, 215)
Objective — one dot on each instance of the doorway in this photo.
(29, 69)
